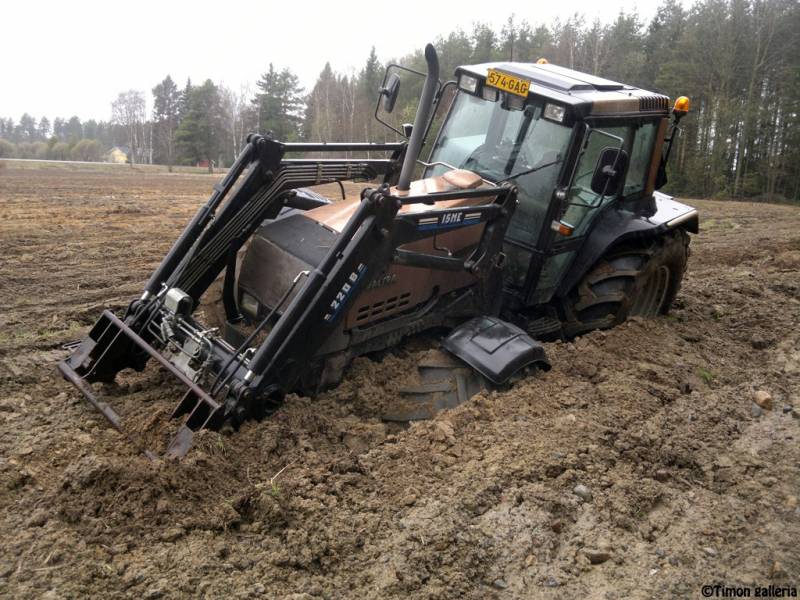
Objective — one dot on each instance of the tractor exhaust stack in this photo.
(421, 119)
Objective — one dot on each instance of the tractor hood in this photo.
(298, 241)
(335, 215)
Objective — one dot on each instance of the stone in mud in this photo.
(409, 500)
(551, 582)
(443, 432)
(172, 534)
(37, 519)
(582, 492)
(221, 550)
(763, 399)
(597, 556)
(157, 591)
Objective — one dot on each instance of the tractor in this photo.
(534, 216)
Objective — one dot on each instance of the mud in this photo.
(637, 467)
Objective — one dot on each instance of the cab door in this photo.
(582, 204)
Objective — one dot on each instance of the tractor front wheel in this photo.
(632, 280)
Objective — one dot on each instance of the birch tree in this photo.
(128, 110)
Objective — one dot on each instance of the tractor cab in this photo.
(573, 144)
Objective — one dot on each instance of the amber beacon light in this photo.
(682, 105)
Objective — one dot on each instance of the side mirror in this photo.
(610, 171)
(389, 92)
(389, 96)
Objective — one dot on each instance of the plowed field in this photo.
(639, 466)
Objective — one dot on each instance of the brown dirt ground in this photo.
(687, 486)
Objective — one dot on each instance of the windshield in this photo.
(499, 143)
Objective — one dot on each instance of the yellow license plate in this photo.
(508, 83)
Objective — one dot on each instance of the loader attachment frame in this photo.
(227, 384)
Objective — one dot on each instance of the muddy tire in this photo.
(639, 280)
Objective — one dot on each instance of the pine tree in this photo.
(321, 117)
(166, 108)
(484, 43)
(27, 128)
(43, 131)
(369, 82)
(74, 130)
(90, 129)
(625, 55)
(509, 36)
(183, 101)
(280, 104)
(197, 135)
(58, 128)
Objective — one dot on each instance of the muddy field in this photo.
(640, 466)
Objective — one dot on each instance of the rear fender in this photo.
(614, 226)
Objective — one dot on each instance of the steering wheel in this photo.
(493, 159)
(473, 157)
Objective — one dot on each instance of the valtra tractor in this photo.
(535, 216)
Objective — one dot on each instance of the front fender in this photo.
(617, 225)
(495, 348)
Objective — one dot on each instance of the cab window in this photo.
(464, 131)
(637, 142)
(582, 200)
(641, 154)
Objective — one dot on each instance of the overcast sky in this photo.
(72, 57)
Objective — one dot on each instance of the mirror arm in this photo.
(436, 103)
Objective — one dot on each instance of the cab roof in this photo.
(585, 93)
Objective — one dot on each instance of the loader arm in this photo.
(227, 384)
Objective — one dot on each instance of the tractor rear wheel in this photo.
(633, 280)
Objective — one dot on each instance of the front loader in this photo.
(536, 217)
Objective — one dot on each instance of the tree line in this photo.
(738, 61)
(63, 139)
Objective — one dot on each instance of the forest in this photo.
(738, 61)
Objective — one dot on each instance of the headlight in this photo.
(554, 112)
(468, 83)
